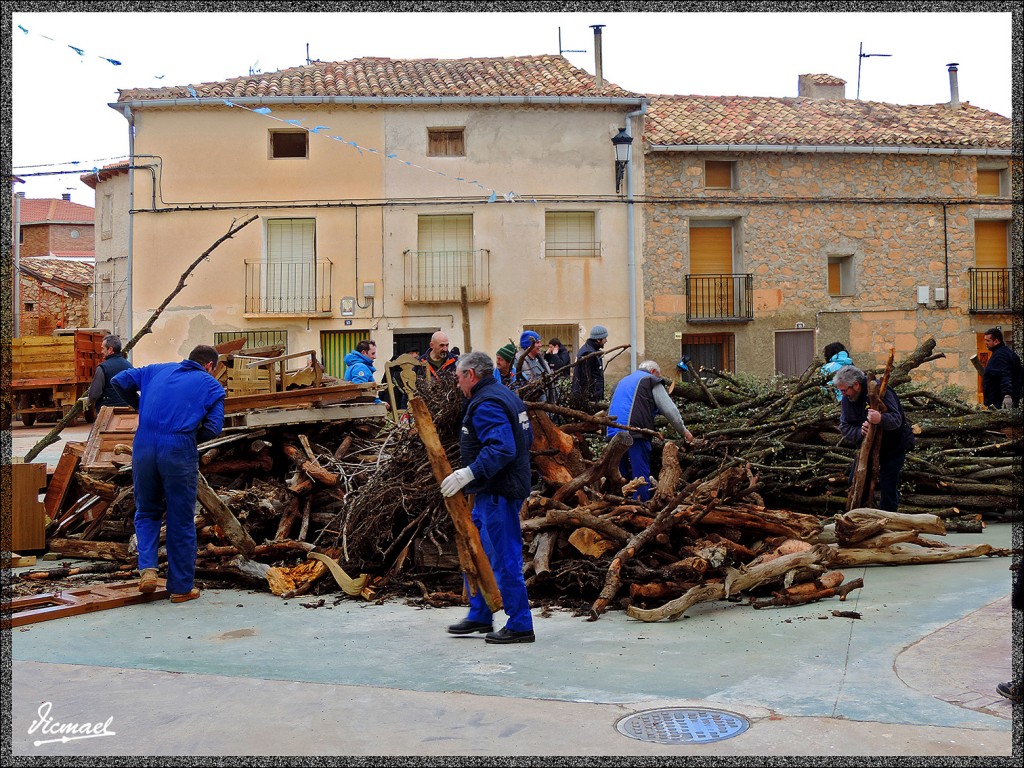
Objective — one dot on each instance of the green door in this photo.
(334, 345)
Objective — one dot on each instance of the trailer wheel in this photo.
(28, 419)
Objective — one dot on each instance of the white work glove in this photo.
(456, 481)
(1007, 403)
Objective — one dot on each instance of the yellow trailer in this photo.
(49, 373)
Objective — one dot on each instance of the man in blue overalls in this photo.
(495, 447)
(179, 405)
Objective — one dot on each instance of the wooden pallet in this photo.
(74, 602)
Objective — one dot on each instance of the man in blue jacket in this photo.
(180, 405)
(1001, 382)
(495, 448)
(637, 399)
(897, 434)
(359, 362)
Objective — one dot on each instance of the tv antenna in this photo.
(562, 50)
(253, 70)
(860, 58)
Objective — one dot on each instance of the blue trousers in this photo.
(497, 519)
(637, 463)
(165, 471)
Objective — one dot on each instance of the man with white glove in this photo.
(495, 447)
(1003, 379)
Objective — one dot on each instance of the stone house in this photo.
(111, 289)
(55, 265)
(383, 188)
(774, 226)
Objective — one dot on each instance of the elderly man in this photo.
(495, 449)
(588, 375)
(1001, 382)
(100, 391)
(530, 365)
(637, 399)
(438, 361)
(179, 405)
(897, 436)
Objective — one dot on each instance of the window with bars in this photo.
(712, 351)
(253, 339)
(446, 142)
(571, 233)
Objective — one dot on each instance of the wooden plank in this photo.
(28, 514)
(91, 550)
(307, 398)
(14, 560)
(112, 426)
(63, 475)
(276, 417)
(74, 602)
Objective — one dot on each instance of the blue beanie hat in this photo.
(527, 339)
(599, 332)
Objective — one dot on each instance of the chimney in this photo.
(954, 89)
(66, 196)
(598, 73)
(20, 194)
(821, 87)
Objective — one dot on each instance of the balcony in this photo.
(434, 277)
(589, 249)
(288, 288)
(719, 298)
(993, 290)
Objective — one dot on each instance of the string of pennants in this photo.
(319, 130)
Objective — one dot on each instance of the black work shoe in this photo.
(1009, 690)
(466, 627)
(506, 635)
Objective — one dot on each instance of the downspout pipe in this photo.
(17, 268)
(129, 322)
(631, 240)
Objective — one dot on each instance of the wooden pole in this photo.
(467, 538)
(233, 530)
(862, 488)
(464, 300)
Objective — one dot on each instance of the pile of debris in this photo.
(313, 502)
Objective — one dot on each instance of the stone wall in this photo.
(905, 220)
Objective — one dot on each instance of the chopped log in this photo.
(290, 514)
(472, 557)
(906, 554)
(867, 519)
(670, 476)
(91, 550)
(608, 467)
(233, 531)
(261, 463)
(589, 543)
(545, 542)
(100, 488)
(550, 449)
(310, 467)
(818, 591)
(63, 573)
(271, 551)
(575, 518)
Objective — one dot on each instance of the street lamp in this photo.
(623, 144)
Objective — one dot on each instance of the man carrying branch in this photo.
(495, 448)
(855, 419)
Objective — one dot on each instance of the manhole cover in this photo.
(682, 726)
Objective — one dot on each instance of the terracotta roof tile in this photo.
(804, 121)
(49, 210)
(63, 273)
(823, 79)
(547, 75)
(106, 172)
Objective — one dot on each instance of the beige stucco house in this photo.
(777, 225)
(382, 188)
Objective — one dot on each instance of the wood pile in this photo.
(754, 513)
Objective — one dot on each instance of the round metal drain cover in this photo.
(682, 726)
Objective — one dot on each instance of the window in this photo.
(840, 275)
(74, 234)
(253, 339)
(570, 233)
(446, 142)
(445, 261)
(990, 182)
(106, 217)
(713, 351)
(289, 144)
(29, 306)
(719, 174)
(288, 282)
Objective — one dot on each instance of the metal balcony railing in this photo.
(438, 276)
(725, 297)
(558, 249)
(993, 290)
(288, 288)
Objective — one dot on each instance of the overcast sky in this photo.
(60, 97)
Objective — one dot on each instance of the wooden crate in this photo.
(43, 357)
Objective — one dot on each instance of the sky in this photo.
(61, 120)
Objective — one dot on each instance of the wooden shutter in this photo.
(990, 245)
(835, 282)
(988, 181)
(718, 174)
(711, 254)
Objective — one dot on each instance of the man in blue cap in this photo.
(588, 375)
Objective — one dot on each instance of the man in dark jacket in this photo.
(1003, 377)
(557, 357)
(437, 361)
(588, 376)
(180, 405)
(897, 436)
(100, 391)
(495, 449)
